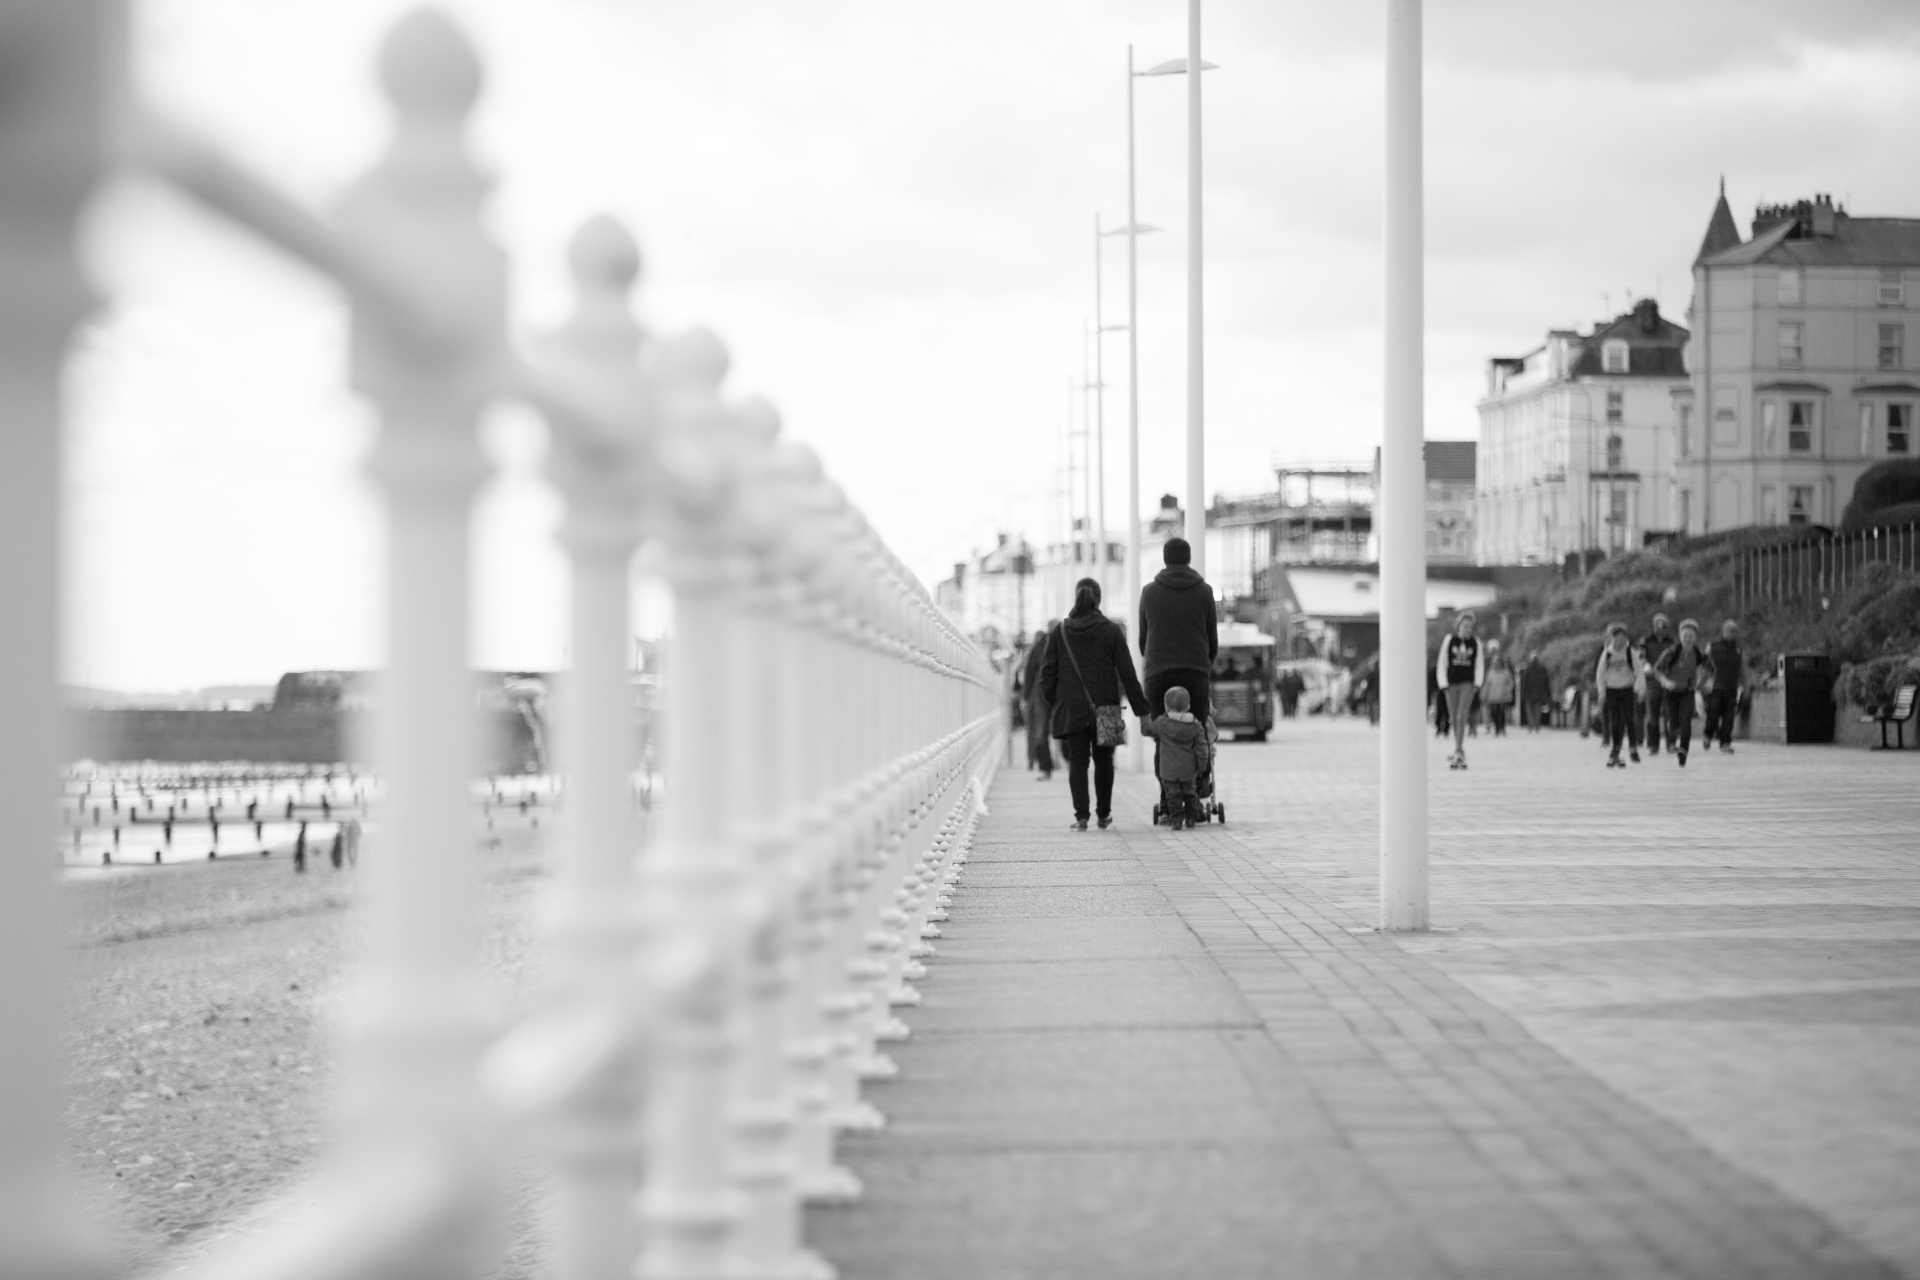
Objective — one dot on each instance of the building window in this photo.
(1789, 286)
(1893, 345)
(1866, 428)
(1893, 289)
(1799, 503)
(1800, 426)
(1769, 508)
(1769, 425)
(1686, 431)
(1615, 406)
(1790, 345)
(1613, 356)
(1686, 510)
(1614, 449)
(1899, 428)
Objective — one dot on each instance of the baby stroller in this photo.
(1211, 810)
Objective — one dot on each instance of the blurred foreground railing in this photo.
(721, 994)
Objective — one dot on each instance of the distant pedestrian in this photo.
(1086, 672)
(1458, 672)
(1499, 688)
(1038, 711)
(1536, 692)
(1681, 671)
(1652, 650)
(1185, 753)
(1722, 695)
(1290, 687)
(1179, 631)
(1619, 680)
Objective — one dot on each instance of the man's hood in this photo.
(1179, 577)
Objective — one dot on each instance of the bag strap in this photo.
(1077, 673)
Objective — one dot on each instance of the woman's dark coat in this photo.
(1105, 662)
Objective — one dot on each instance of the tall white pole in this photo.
(1403, 644)
(1136, 752)
(1099, 415)
(1196, 350)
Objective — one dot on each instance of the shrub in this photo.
(1872, 686)
(1895, 482)
(1888, 623)
(1572, 657)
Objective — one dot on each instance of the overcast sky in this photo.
(886, 208)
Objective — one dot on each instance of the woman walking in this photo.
(1458, 672)
(1086, 671)
(1499, 688)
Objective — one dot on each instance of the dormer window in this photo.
(1893, 289)
(1789, 286)
(1613, 356)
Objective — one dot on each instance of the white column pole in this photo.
(1196, 345)
(1099, 413)
(56, 87)
(1403, 645)
(1136, 751)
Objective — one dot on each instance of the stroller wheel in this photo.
(1220, 814)
(1156, 813)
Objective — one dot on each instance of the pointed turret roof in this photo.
(1722, 233)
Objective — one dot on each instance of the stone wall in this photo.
(267, 737)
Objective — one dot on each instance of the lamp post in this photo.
(1196, 347)
(1136, 759)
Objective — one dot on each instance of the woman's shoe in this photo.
(1634, 756)
(1079, 824)
(1613, 762)
(1105, 821)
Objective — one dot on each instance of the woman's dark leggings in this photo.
(1079, 748)
(1621, 723)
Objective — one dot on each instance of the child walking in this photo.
(1682, 670)
(1185, 753)
(1617, 680)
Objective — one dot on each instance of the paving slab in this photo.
(1665, 1026)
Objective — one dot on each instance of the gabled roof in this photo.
(1855, 242)
(1722, 232)
(1654, 345)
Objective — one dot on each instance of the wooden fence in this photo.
(1821, 569)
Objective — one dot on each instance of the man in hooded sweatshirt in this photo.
(1179, 633)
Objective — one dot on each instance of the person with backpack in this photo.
(1682, 670)
(1458, 671)
(1619, 681)
(1086, 672)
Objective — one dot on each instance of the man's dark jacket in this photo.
(1100, 648)
(1178, 629)
(1536, 686)
(1729, 665)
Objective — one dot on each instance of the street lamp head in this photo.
(1176, 67)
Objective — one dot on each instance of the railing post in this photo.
(695, 874)
(412, 1107)
(596, 926)
(52, 144)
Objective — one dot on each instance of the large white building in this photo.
(1803, 334)
(1577, 441)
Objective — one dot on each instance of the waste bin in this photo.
(1806, 696)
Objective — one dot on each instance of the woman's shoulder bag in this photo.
(1109, 726)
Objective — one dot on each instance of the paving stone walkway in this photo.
(1668, 1025)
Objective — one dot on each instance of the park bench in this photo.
(1899, 715)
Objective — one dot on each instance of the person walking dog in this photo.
(1458, 670)
(1085, 673)
(1179, 632)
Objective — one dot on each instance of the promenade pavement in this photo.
(1667, 1024)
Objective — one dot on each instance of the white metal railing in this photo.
(720, 994)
